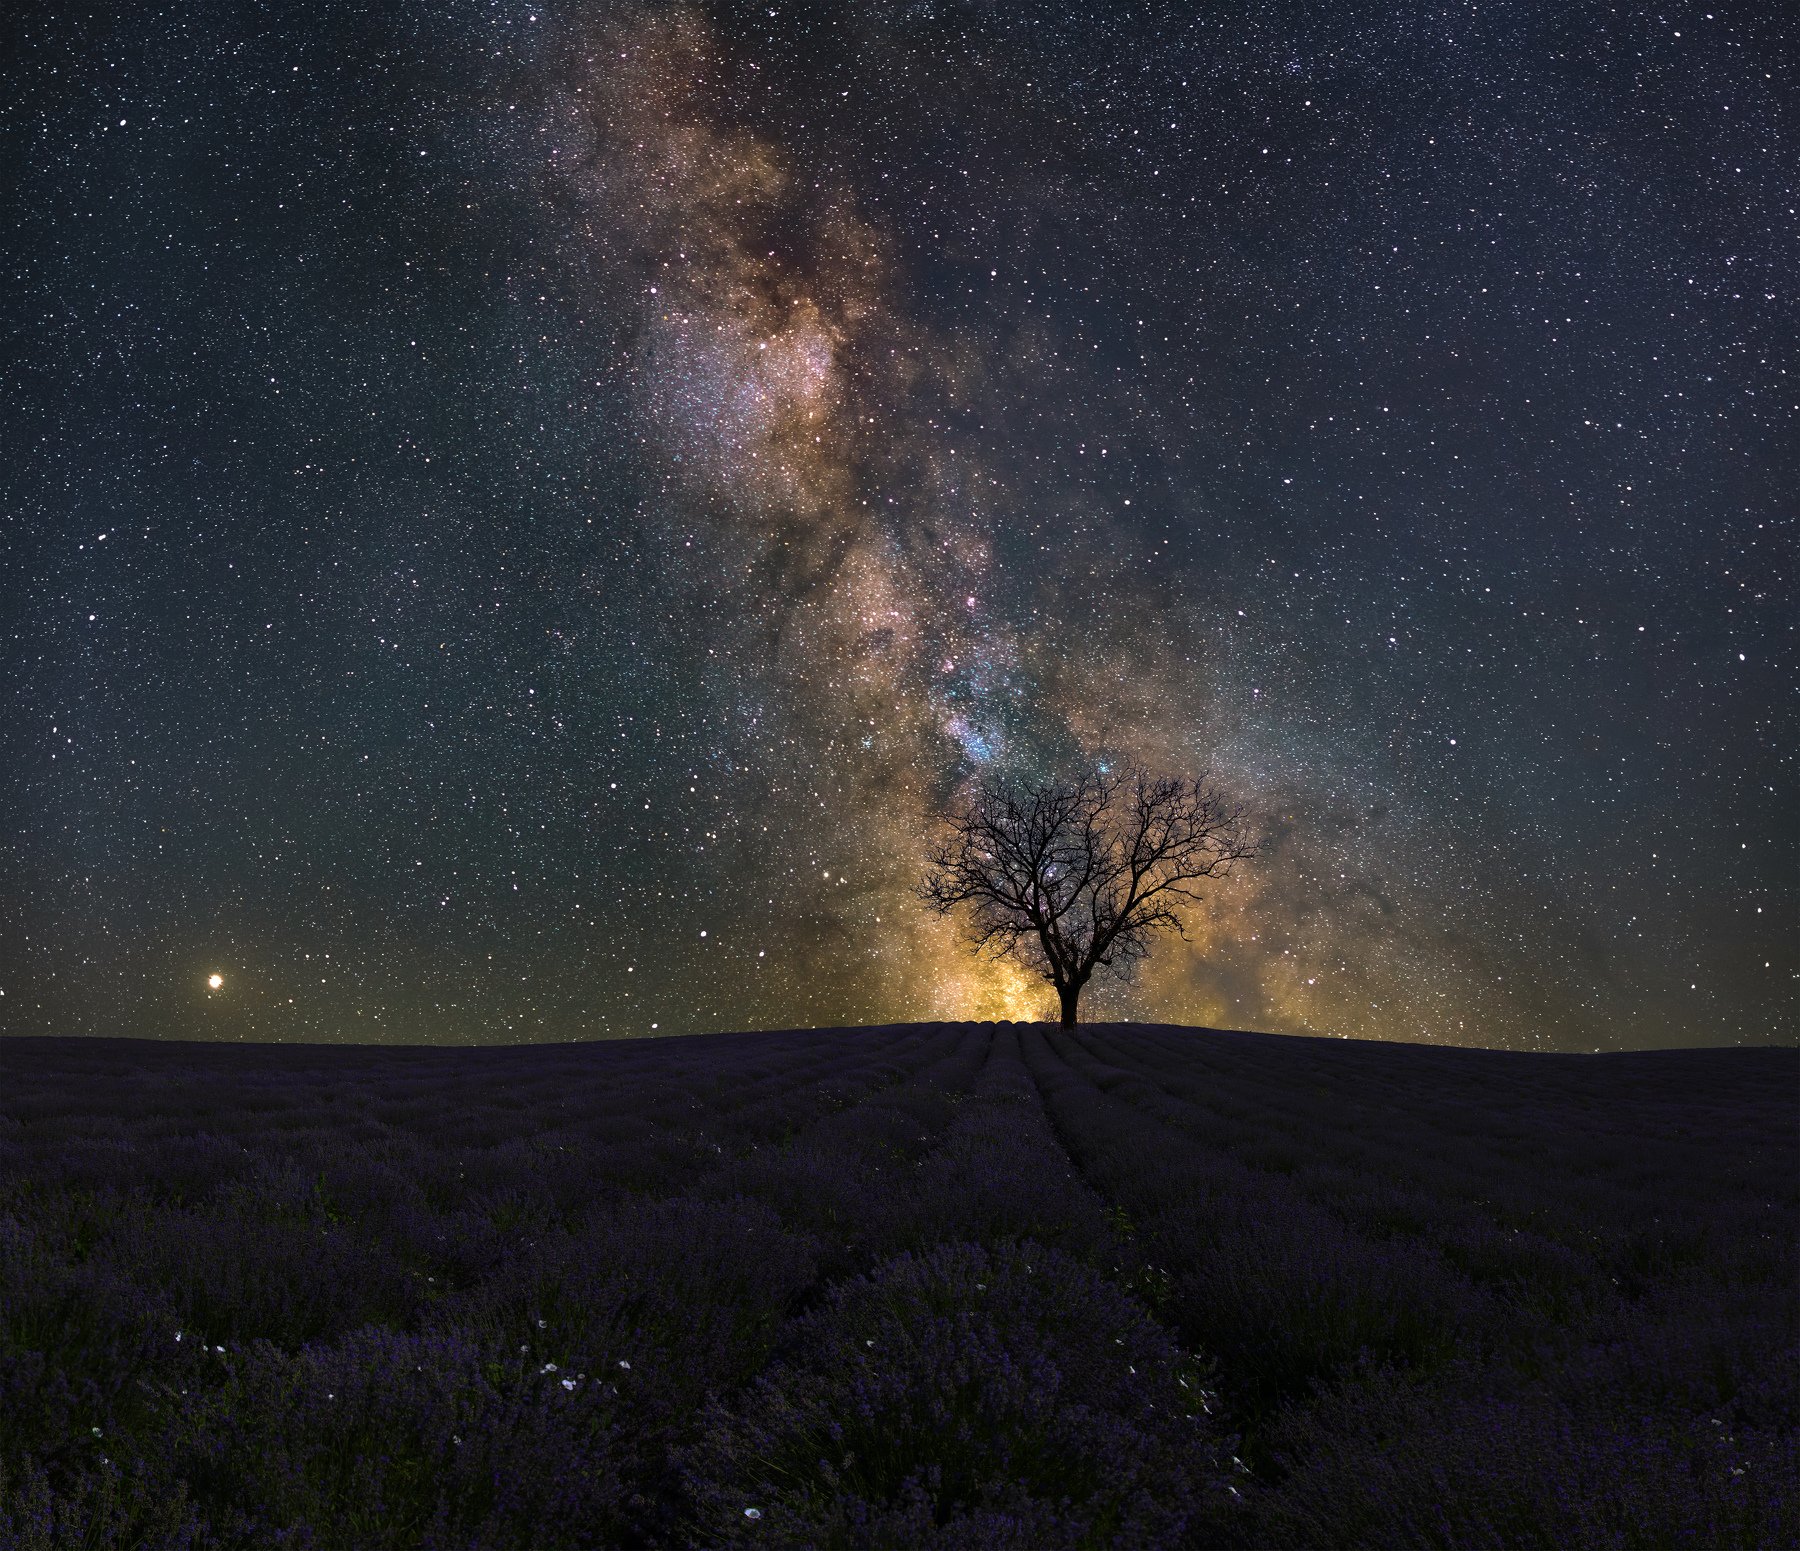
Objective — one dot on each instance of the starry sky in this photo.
(512, 517)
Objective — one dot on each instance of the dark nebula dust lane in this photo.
(514, 517)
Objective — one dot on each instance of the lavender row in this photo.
(1568, 1113)
(1440, 1378)
(247, 1371)
(1530, 1204)
(298, 1240)
(976, 1375)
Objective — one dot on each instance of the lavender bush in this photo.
(968, 1396)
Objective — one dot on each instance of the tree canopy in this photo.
(1074, 876)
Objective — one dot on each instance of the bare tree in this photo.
(1070, 877)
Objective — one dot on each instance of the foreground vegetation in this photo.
(935, 1285)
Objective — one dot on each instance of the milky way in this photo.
(522, 516)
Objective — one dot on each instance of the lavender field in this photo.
(930, 1285)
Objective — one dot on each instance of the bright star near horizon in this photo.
(213, 982)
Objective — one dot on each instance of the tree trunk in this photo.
(1070, 995)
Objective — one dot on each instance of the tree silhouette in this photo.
(1070, 877)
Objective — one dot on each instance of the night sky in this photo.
(512, 516)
